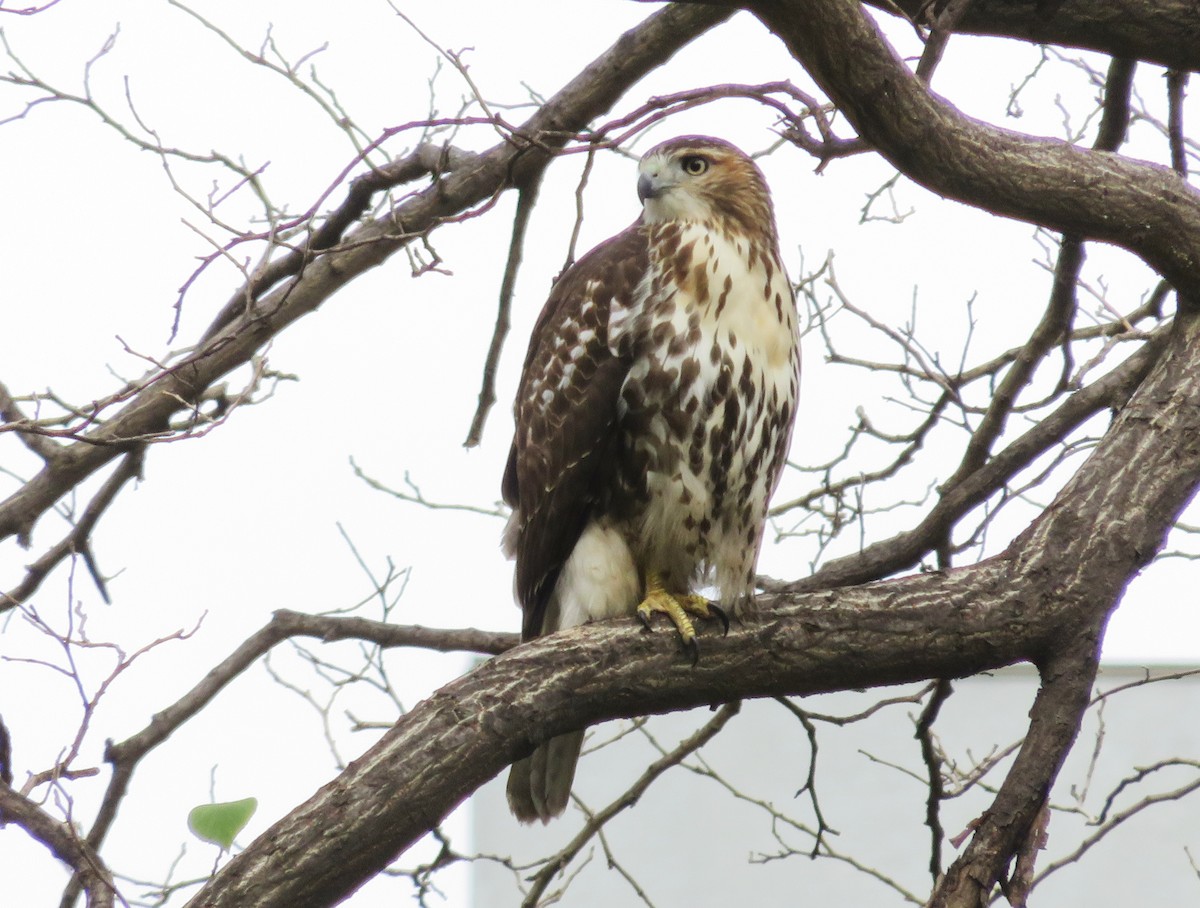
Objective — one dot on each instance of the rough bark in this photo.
(1045, 600)
(1167, 33)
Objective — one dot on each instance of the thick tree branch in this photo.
(1054, 722)
(1147, 209)
(467, 732)
(1057, 583)
(1166, 32)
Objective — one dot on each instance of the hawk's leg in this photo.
(679, 607)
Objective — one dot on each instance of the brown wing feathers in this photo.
(566, 415)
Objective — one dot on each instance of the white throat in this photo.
(674, 205)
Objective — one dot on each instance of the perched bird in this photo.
(652, 420)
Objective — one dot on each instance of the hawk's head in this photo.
(699, 178)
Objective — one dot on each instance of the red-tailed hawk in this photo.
(652, 420)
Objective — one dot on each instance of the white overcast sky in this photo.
(93, 247)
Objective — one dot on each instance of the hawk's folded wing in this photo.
(566, 410)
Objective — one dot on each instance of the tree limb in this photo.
(526, 198)
(124, 756)
(79, 537)
(1054, 587)
(906, 549)
(1142, 207)
(62, 842)
(1166, 32)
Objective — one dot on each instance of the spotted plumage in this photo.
(653, 417)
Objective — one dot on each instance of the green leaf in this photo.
(220, 823)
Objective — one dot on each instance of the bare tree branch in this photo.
(933, 767)
(60, 839)
(78, 540)
(124, 756)
(905, 550)
(1167, 33)
(526, 198)
(596, 821)
(1054, 586)
(1094, 195)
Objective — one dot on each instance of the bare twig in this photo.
(1120, 817)
(124, 756)
(596, 821)
(1176, 86)
(78, 540)
(60, 839)
(933, 768)
(526, 198)
(416, 496)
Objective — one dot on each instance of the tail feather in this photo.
(539, 785)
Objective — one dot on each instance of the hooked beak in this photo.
(649, 187)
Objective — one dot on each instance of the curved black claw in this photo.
(722, 615)
(644, 617)
(693, 646)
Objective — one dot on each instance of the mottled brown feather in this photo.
(653, 415)
(562, 451)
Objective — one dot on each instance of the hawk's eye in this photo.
(695, 165)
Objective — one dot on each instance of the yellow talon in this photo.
(677, 607)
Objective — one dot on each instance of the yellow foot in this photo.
(678, 607)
